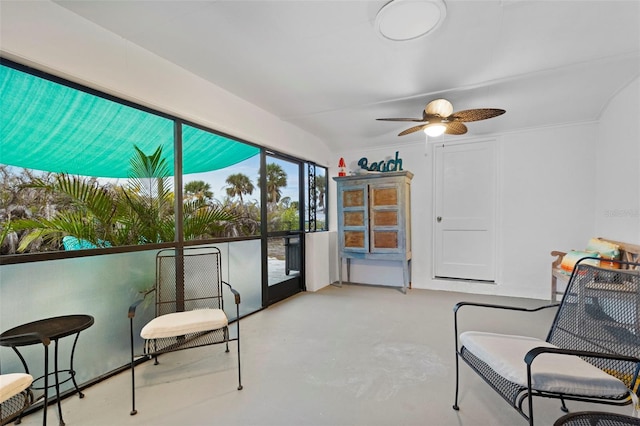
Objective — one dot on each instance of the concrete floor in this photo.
(355, 355)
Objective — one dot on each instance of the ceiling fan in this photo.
(438, 118)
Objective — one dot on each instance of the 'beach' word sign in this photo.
(391, 165)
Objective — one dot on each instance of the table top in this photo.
(53, 328)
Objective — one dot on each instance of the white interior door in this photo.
(465, 197)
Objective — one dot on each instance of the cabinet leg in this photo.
(406, 277)
(348, 270)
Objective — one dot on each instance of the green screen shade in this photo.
(51, 127)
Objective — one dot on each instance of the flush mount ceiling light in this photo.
(401, 20)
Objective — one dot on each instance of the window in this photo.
(316, 190)
(80, 169)
(220, 187)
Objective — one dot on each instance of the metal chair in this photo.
(16, 393)
(591, 353)
(189, 306)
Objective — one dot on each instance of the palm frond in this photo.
(74, 224)
(150, 179)
(205, 220)
(85, 193)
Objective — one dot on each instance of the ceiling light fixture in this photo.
(401, 20)
(435, 129)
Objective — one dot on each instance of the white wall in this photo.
(557, 187)
(617, 168)
(317, 261)
(545, 202)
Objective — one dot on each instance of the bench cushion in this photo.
(12, 384)
(607, 250)
(549, 372)
(181, 323)
(571, 258)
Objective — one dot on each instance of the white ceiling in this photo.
(321, 66)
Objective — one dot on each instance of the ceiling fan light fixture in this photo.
(435, 130)
(401, 20)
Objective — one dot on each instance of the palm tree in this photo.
(148, 198)
(276, 179)
(140, 213)
(199, 190)
(90, 217)
(239, 184)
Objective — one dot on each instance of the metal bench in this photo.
(591, 353)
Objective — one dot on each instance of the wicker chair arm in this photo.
(21, 338)
(236, 295)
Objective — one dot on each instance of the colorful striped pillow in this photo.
(569, 260)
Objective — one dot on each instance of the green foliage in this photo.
(202, 220)
(290, 219)
(199, 190)
(142, 212)
(52, 206)
(90, 216)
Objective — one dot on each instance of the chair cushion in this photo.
(12, 384)
(181, 323)
(549, 372)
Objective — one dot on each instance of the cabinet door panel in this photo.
(354, 218)
(354, 239)
(385, 240)
(385, 218)
(385, 196)
(353, 198)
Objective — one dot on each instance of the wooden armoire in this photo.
(374, 219)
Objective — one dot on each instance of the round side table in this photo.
(55, 329)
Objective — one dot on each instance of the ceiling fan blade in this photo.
(455, 128)
(412, 129)
(417, 120)
(476, 114)
(439, 107)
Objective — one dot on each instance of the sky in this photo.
(217, 178)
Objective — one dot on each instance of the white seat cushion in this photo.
(181, 323)
(12, 384)
(549, 372)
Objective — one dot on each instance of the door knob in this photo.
(439, 219)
